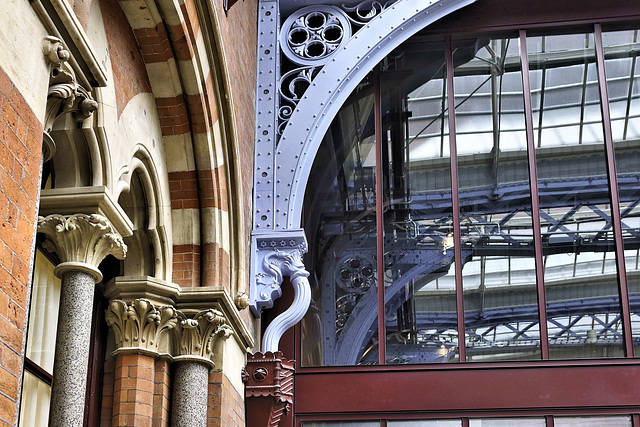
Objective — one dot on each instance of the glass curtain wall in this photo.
(621, 50)
(496, 201)
(583, 307)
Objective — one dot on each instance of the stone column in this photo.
(199, 339)
(82, 242)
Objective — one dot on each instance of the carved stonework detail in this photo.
(198, 335)
(65, 95)
(241, 300)
(270, 375)
(81, 238)
(54, 50)
(140, 325)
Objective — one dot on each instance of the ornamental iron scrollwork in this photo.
(309, 38)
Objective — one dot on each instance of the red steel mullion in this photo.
(457, 238)
(382, 344)
(635, 420)
(616, 222)
(549, 421)
(535, 201)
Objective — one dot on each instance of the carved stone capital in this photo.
(269, 375)
(81, 239)
(276, 254)
(199, 336)
(140, 326)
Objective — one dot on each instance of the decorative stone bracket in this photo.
(65, 95)
(279, 254)
(140, 327)
(269, 387)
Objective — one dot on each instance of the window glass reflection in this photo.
(499, 279)
(615, 421)
(621, 50)
(583, 314)
(507, 422)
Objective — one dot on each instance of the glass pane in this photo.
(507, 422)
(43, 315)
(615, 421)
(583, 315)
(36, 395)
(341, 423)
(499, 276)
(623, 79)
(340, 223)
(425, 423)
(420, 303)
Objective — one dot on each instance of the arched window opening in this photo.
(140, 260)
(471, 175)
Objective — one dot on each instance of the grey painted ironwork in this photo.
(308, 105)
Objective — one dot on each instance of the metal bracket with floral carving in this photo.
(140, 326)
(279, 254)
(270, 375)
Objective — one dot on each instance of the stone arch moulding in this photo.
(282, 166)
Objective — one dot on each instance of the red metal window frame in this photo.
(545, 388)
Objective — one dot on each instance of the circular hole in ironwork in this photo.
(315, 49)
(345, 274)
(267, 13)
(266, 91)
(263, 217)
(315, 20)
(264, 174)
(332, 33)
(367, 271)
(298, 36)
(267, 52)
(265, 132)
(354, 263)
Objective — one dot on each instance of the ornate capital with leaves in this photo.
(82, 239)
(140, 325)
(199, 336)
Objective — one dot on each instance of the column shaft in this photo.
(72, 350)
(190, 385)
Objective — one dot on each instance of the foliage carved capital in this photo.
(81, 239)
(199, 336)
(140, 325)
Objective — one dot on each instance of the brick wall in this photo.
(225, 405)
(140, 391)
(129, 73)
(20, 157)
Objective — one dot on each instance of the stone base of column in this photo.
(189, 400)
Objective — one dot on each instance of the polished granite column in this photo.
(198, 342)
(81, 242)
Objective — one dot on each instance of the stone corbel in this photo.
(140, 327)
(199, 336)
(65, 95)
(268, 381)
(279, 254)
(81, 241)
